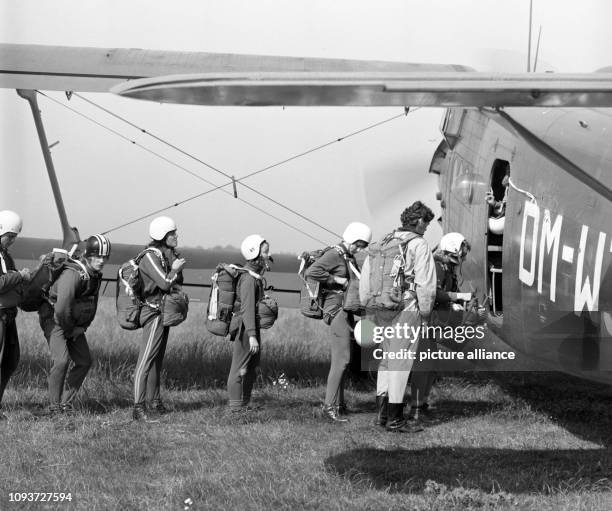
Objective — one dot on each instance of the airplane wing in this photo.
(259, 80)
(31, 66)
(375, 88)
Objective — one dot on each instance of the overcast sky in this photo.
(370, 177)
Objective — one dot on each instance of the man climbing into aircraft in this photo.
(497, 208)
(73, 301)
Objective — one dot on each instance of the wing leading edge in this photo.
(404, 88)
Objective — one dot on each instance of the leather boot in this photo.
(396, 422)
(158, 408)
(420, 412)
(139, 413)
(382, 404)
(330, 412)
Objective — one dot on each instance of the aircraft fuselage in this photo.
(552, 266)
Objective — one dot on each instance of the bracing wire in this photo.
(216, 187)
(189, 155)
(167, 160)
(241, 180)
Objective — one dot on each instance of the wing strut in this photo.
(70, 234)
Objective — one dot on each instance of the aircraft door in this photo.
(498, 192)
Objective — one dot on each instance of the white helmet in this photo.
(161, 226)
(10, 222)
(251, 246)
(496, 225)
(453, 243)
(356, 231)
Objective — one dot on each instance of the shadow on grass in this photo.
(486, 469)
(582, 407)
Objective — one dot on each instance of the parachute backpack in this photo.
(35, 292)
(311, 300)
(382, 282)
(129, 291)
(220, 308)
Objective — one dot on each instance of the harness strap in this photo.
(3, 264)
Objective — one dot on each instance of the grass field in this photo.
(498, 441)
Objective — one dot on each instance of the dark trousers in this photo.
(340, 357)
(64, 350)
(147, 376)
(9, 349)
(243, 371)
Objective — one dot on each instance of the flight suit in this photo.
(158, 278)
(249, 291)
(74, 296)
(9, 341)
(334, 263)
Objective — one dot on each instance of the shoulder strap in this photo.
(3, 264)
(246, 270)
(155, 251)
(81, 270)
(411, 236)
(350, 267)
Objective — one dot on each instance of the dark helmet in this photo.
(97, 245)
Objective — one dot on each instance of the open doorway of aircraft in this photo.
(539, 142)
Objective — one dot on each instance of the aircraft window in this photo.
(451, 125)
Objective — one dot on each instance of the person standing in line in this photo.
(72, 305)
(244, 328)
(332, 270)
(160, 269)
(419, 295)
(452, 251)
(10, 280)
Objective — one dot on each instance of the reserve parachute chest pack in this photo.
(222, 300)
(383, 280)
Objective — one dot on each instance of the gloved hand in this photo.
(25, 274)
(76, 331)
(253, 345)
(466, 297)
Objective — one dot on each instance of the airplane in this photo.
(546, 278)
